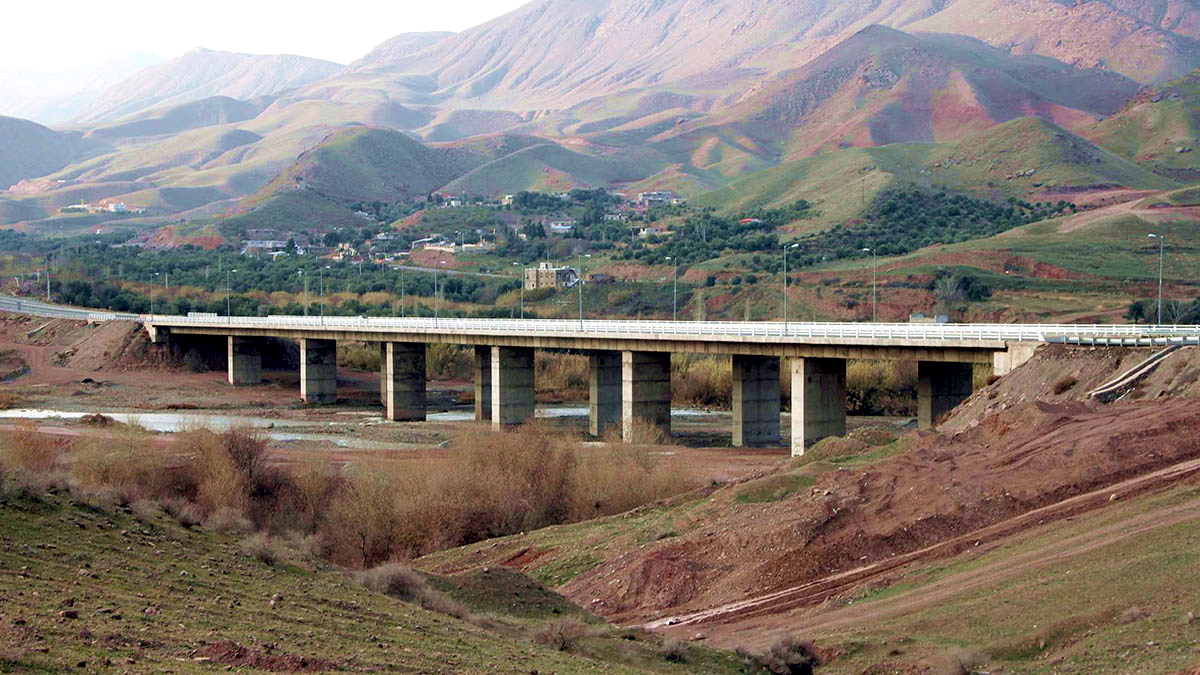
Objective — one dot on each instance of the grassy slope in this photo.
(1069, 615)
(841, 183)
(1153, 126)
(57, 556)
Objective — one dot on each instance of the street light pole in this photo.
(152, 292)
(674, 288)
(785, 285)
(578, 283)
(874, 285)
(228, 292)
(1162, 239)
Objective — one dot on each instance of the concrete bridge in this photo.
(630, 362)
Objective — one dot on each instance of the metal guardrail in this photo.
(1081, 334)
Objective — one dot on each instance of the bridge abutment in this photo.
(244, 361)
(818, 401)
(940, 388)
(513, 400)
(318, 371)
(756, 401)
(483, 384)
(645, 392)
(604, 389)
(404, 375)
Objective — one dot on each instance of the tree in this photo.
(1136, 311)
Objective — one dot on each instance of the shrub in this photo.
(220, 486)
(958, 662)
(449, 362)
(1064, 385)
(27, 449)
(701, 380)
(791, 656)
(358, 356)
(564, 374)
(263, 549)
(126, 461)
(562, 634)
(675, 651)
(229, 521)
(409, 585)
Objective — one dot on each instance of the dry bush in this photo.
(1133, 615)
(617, 478)
(562, 634)
(1064, 385)
(125, 460)
(881, 387)
(494, 484)
(564, 374)
(229, 521)
(364, 524)
(675, 651)
(184, 512)
(701, 380)
(25, 448)
(314, 486)
(791, 656)
(642, 433)
(8, 401)
(219, 483)
(449, 362)
(263, 548)
(409, 585)
(359, 356)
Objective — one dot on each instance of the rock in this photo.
(69, 614)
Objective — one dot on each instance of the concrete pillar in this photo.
(756, 404)
(483, 384)
(645, 391)
(1014, 357)
(940, 388)
(383, 374)
(818, 401)
(245, 362)
(404, 375)
(318, 371)
(513, 400)
(604, 391)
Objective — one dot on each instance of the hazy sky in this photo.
(64, 35)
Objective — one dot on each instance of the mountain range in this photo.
(686, 95)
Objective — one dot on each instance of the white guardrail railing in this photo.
(719, 330)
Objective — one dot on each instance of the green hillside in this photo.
(30, 150)
(158, 596)
(1158, 129)
(551, 167)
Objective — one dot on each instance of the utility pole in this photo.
(785, 285)
(874, 285)
(1162, 239)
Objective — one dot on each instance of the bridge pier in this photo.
(318, 371)
(645, 392)
(940, 388)
(818, 401)
(404, 368)
(383, 374)
(756, 401)
(604, 388)
(513, 400)
(244, 361)
(483, 384)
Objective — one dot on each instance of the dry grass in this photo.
(449, 362)
(359, 356)
(25, 448)
(496, 484)
(566, 375)
(881, 387)
(126, 460)
(703, 381)
(562, 634)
